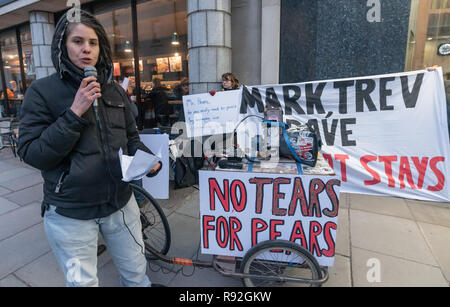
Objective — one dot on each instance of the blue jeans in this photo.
(74, 243)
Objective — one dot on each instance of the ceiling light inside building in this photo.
(175, 41)
(128, 47)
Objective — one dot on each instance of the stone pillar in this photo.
(42, 26)
(209, 43)
(270, 41)
(246, 32)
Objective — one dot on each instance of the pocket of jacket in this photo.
(115, 113)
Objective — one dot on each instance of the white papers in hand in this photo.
(137, 167)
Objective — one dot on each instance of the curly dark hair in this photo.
(59, 51)
(105, 57)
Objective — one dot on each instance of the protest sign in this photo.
(208, 114)
(158, 186)
(239, 210)
(383, 135)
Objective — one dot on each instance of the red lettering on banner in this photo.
(222, 231)
(260, 182)
(343, 159)
(333, 198)
(298, 234)
(315, 229)
(235, 227)
(421, 166)
(329, 239)
(388, 168)
(214, 189)
(239, 206)
(440, 177)
(298, 194)
(258, 225)
(276, 210)
(274, 234)
(316, 187)
(405, 170)
(206, 228)
(364, 162)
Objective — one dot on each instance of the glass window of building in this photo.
(163, 56)
(429, 35)
(116, 19)
(27, 55)
(162, 28)
(11, 68)
(11, 62)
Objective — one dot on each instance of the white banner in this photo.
(239, 210)
(383, 135)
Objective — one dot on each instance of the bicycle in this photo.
(273, 263)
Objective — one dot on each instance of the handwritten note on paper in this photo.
(208, 115)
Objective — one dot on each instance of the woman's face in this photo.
(185, 88)
(227, 84)
(82, 46)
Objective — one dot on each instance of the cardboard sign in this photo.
(239, 210)
(209, 115)
(158, 186)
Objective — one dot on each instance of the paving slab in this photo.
(438, 237)
(48, 266)
(204, 277)
(380, 204)
(12, 281)
(27, 196)
(108, 276)
(4, 191)
(431, 214)
(20, 219)
(191, 206)
(22, 182)
(6, 206)
(21, 249)
(185, 232)
(343, 200)
(13, 173)
(371, 269)
(389, 235)
(340, 273)
(44, 266)
(343, 233)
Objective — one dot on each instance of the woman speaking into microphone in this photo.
(76, 147)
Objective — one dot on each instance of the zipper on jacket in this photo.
(60, 181)
(103, 144)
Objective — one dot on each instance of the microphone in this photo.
(91, 71)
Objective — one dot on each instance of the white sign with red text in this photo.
(239, 210)
(383, 135)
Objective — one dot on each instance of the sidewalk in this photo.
(409, 240)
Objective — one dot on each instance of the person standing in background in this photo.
(229, 82)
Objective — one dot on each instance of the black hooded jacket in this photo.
(78, 157)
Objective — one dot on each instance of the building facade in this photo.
(260, 41)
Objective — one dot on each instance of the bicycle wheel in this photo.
(280, 263)
(155, 227)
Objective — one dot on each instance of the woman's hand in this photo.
(87, 93)
(155, 170)
(433, 68)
